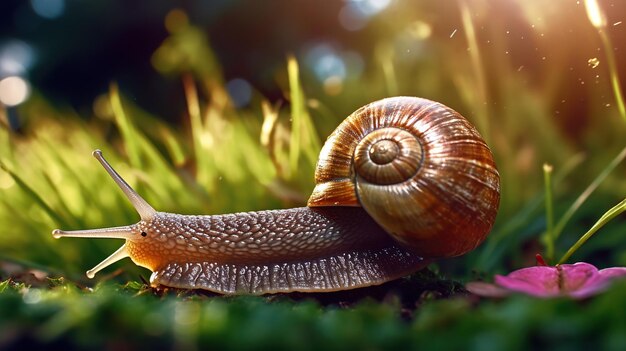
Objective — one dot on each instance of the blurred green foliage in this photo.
(117, 318)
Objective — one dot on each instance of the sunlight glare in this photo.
(596, 17)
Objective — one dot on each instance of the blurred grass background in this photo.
(216, 107)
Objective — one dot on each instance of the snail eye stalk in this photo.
(124, 232)
(143, 208)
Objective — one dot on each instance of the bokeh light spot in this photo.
(354, 63)
(372, 7)
(186, 314)
(330, 65)
(175, 20)
(14, 90)
(50, 9)
(351, 18)
(32, 296)
(354, 14)
(420, 30)
(333, 85)
(102, 107)
(16, 57)
(325, 62)
(240, 92)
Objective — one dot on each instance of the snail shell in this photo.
(419, 170)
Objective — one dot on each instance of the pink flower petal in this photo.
(613, 272)
(486, 289)
(541, 281)
(578, 280)
(576, 276)
(599, 282)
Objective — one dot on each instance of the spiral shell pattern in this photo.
(417, 167)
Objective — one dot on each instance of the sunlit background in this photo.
(70, 51)
(540, 79)
(219, 106)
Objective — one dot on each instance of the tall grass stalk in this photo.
(201, 140)
(615, 83)
(481, 97)
(385, 55)
(298, 110)
(127, 128)
(548, 237)
(303, 139)
(598, 20)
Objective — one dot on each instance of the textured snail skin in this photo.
(400, 182)
(299, 249)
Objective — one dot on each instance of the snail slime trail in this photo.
(400, 182)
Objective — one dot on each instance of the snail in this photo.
(401, 182)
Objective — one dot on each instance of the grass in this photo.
(609, 215)
(548, 237)
(226, 159)
(598, 20)
(108, 317)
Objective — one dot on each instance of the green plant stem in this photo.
(524, 215)
(549, 235)
(606, 217)
(585, 194)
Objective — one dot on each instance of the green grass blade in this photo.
(297, 113)
(598, 20)
(303, 139)
(608, 216)
(34, 196)
(522, 216)
(129, 134)
(558, 229)
(548, 237)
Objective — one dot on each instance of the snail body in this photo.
(400, 182)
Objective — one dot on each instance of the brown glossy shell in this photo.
(419, 168)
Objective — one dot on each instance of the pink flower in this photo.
(579, 280)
